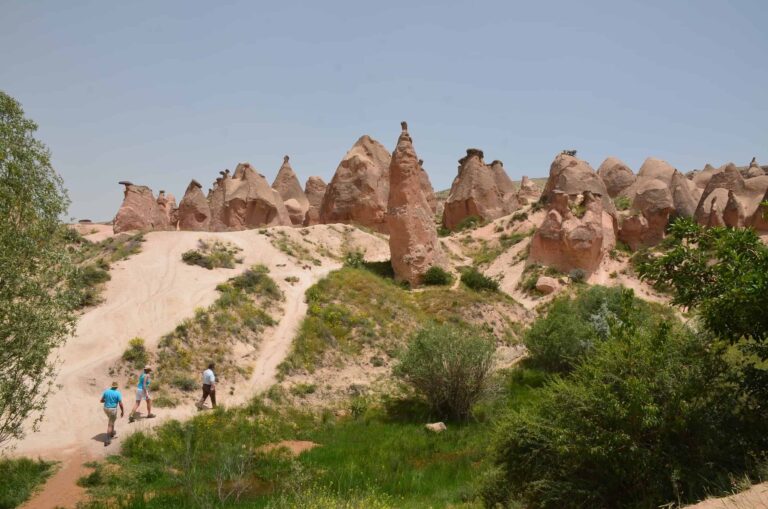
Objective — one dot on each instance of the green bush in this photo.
(574, 326)
(578, 275)
(476, 280)
(136, 354)
(622, 203)
(19, 479)
(354, 259)
(437, 276)
(184, 383)
(469, 223)
(213, 255)
(449, 366)
(649, 418)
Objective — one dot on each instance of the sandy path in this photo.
(755, 497)
(147, 296)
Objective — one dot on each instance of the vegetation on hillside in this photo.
(36, 300)
(354, 308)
(20, 477)
(213, 254)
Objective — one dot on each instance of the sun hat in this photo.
(115, 385)
(147, 368)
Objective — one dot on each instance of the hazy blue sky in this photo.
(161, 92)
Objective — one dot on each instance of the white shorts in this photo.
(142, 396)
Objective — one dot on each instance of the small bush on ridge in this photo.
(476, 280)
(437, 276)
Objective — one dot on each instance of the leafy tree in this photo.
(35, 302)
(450, 366)
(649, 418)
(722, 272)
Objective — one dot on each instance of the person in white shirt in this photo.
(209, 387)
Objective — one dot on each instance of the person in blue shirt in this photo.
(142, 393)
(112, 399)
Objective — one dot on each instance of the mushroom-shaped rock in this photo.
(566, 242)
(616, 175)
(287, 184)
(140, 211)
(194, 211)
(754, 169)
(359, 190)
(479, 190)
(413, 240)
(314, 190)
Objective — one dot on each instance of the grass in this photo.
(380, 457)
(213, 255)
(354, 308)
(20, 477)
(487, 251)
(622, 203)
(282, 241)
(136, 354)
(240, 314)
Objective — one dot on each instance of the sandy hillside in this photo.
(149, 294)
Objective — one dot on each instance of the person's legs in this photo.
(206, 393)
(213, 397)
(149, 407)
(111, 418)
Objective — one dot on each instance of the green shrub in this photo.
(212, 255)
(622, 203)
(257, 281)
(574, 326)
(437, 276)
(164, 401)
(20, 477)
(647, 419)
(578, 275)
(469, 223)
(136, 354)
(354, 259)
(476, 280)
(302, 390)
(184, 383)
(519, 216)
(449, 366)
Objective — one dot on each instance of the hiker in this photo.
(142, 393)
(111, 399)
(209, 387)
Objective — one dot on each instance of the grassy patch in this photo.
(240, 314)
(282, 241)
(20, 477)
(353, 308)
(213, 255)
(622, 203)
(136, 354)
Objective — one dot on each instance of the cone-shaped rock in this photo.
(194, 212)
(359, 190)
(141, 211)
(314, 190)
(479, 190)
(247, 201)
(287, 184)
(412, 235)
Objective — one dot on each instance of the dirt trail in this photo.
(147, 296)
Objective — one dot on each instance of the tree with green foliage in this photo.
(648, 418)
(722, 272)
(35, 301)
(450, 366)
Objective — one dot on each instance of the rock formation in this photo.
(651, 208)
(730, 199)
(572, 176)
(194, 211)
(616, 175)
(141, 211)
(359, 190)
(314, 190)
(426, 187)
(565, 241)
(528, 191)
(479, 190)
(249, 201)
(288, 186)
(413, 240)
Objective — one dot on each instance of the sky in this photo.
(159, 93)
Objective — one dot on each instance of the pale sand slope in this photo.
(148, 295)
(755, 497)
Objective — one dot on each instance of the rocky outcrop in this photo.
(249, 201)
(314, 190)
(565, 241)
(194, 211)
(754, 169)
(479, 190)
(730, 199)
(546, 285)
(427, 189)
(573, 177)
(528, 192)
(141, 211)
(359, 190)
(651, 208)
(288, 186)
(616, 175)
(759, 220)
(413, 240)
